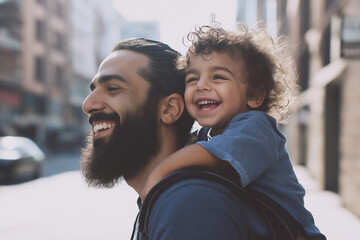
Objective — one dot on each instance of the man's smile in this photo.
(103, 123)
(102, 127)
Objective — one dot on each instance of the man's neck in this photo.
(138, 182)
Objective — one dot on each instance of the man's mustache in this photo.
(103, 117)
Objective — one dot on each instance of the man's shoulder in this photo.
(196, 183)
(193, 205)
(196, 189)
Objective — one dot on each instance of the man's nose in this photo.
(93, 102)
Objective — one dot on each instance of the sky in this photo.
(178, 17)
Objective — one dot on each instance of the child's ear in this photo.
(171, 108)
(256, 101)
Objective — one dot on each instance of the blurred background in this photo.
(50, 50)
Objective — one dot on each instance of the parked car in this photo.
(20, 158)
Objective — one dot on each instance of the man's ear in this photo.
(256, 101)
(171, 108)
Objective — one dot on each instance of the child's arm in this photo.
(190, 155)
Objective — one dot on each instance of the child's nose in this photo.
(203, 84)
(93, 102)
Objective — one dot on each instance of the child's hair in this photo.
(266, 62)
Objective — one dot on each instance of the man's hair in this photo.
(266, 63)
(163, 75)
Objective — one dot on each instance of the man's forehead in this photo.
(123, 57)
(124, 61)
(123, 64)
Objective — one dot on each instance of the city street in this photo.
(60, 206)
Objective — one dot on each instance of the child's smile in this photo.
(206, 104)
(216, 89)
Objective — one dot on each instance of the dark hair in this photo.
(163, 75)
(266, 63)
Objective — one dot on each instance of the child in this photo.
(234, 80)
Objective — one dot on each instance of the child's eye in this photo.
(219, 76)
(190, 79)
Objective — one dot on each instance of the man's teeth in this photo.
(102, 126)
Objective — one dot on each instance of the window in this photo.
(59, 10)
(59, 42)
(59, 76)
(42, 2)
(40, 69)
(40, 31)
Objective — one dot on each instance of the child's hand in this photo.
(192, 155)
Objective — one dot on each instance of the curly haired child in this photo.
(237, 83)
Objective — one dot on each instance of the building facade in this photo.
(45, 66)
(324, 132)
(49, 52)
(10, 64)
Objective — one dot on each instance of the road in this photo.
(61, 206)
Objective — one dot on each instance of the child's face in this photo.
(216, 89)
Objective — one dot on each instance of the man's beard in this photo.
(128, 150)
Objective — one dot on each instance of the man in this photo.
(136, 111)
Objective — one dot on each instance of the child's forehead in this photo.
(216, 61)
(231, 55)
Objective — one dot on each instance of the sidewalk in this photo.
(334, 220)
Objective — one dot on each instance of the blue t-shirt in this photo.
(255, 148)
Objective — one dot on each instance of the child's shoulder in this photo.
(255, 120)
(253, 115)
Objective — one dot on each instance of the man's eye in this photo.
(112, 88)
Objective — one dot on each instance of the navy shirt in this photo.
(197, 209)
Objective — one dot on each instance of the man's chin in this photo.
(123, 151)
(98, 165)
(100, 141)
(102, 136)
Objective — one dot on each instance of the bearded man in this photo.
(137, 114)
